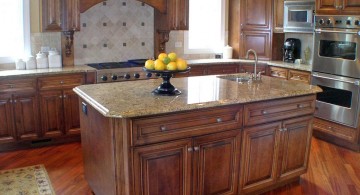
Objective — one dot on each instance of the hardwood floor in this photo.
(332, 169)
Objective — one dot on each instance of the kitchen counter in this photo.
(122, 100)
(46, 71)
(304, 67)
(218, 137)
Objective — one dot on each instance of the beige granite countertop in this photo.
(304, 67)
(134, 98)
(46, 71)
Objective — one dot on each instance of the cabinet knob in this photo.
(163, 128)
(300, 106)
(64, 96)
(61, 82)
(330, 128)
(219, 120)
(196, 148)
(190, 149)
(264, 112)
(60, 96)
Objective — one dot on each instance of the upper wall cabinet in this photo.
(255, 14)
(341, 7)
(60, 15)
(278, 25)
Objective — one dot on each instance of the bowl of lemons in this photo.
(165, 66)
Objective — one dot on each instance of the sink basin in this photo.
(237, 78)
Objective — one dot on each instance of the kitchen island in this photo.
(219, 136)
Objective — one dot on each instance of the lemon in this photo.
(172, 56)
(159, 65)
(150, 64)
(166, 60)
(181, 64)
(171, 66)
(161, 56)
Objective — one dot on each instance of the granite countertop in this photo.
(46, 71)
(125, 100)
(303, 67)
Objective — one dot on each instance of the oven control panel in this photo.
(325, 21)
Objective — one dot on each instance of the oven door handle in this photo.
(351, 81)
(337, 31)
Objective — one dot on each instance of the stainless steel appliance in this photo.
(292, 50)
(299, 16)
(336, 68)
(120, 71)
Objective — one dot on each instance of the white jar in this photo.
(54, 59)
(42, 60)
(20, 64)
(227, 52)
(30, 63)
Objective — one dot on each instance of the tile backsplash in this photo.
(115, 30)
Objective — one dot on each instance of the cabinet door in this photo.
(278, 16)
(260, 41)
(52, 113)
(163, 168)
(326, 6)
(178, 14)
(350, 6)
(71, 15)
(256, 14)
(7, 132)
(278, 72)
(216, 163)
(223, 69)
(299, 76)
(259, 156)
(26, 113)
(295, 147)
(51, 15)
(71, 110)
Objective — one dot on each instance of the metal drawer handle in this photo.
(163, 128)
(264, 112)
(219, 120)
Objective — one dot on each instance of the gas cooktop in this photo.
(112, 65)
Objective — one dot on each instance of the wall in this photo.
(115, 31)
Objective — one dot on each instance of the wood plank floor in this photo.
(332, 169)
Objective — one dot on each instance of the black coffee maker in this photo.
(292, 50)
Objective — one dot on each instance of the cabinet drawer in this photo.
(187, 124)
(334, 129)
(223, 69)
(12, 85)
(299, 76)
(278, 72)
(62, 81)
(263, 112)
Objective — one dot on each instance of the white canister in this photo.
(54, 59)
(42, 60)
(20, 64)
(30, 63)
(227, 52)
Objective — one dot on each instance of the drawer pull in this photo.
(190, 149)
(64, 96)
(61, 82)
(264, 112)
(219, 120)
(60, 96)
(300, 106)
(163, 128)
(196, 148)
(330, 128)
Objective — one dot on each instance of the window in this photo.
(206, 27)
(15, 32)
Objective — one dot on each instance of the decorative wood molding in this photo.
(162, 39)
(69, 42)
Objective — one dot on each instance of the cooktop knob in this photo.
(114, 77)
(348, 22)
(127, 76)
(104, 78)
(321, 21)
(328, 22)
(148, 75)
(357, 23)
(137, 75)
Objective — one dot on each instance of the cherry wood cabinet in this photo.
(19, 110)
(274, 152)
(60, 15)
(337, 7)
(87, 4)
(59, 107)
(250, 68)
(278, 24)
(255, 15)
(260, 41)
(222, 69)
(289, 74)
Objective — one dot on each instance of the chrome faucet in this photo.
(253, 76)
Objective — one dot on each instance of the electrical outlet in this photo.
(178, 44)
(45, 49)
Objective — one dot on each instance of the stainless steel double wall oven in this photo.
(336, 68)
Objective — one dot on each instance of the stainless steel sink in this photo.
(237, 78)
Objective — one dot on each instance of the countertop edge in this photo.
(91, 101)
